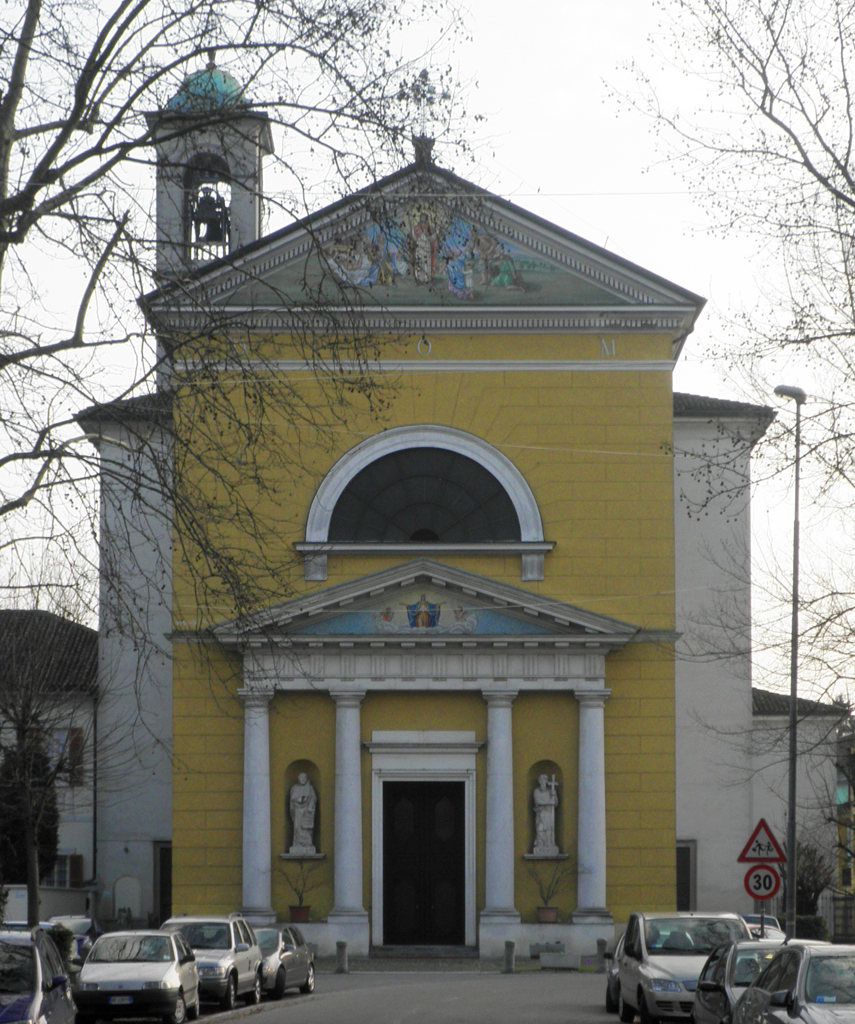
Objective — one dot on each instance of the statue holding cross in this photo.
(545, 801)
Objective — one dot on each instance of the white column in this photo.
(347, 832)
(256, 806)
(591, 828)
(499, 868)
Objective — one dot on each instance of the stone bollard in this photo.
(508, 965)
(601, 956)
(341, 958)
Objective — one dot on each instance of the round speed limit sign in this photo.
(762, 881)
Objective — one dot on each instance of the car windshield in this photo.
(689, 936)
(748, 964)
(205, 934)
(830, 979)
(17, 967)
(131, 948)
(268, 940)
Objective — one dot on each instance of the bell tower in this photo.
(210, 144)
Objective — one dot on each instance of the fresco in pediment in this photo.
(427, 248)
(423, 613)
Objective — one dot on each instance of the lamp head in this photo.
(786, 391)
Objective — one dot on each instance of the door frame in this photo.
(422, 756)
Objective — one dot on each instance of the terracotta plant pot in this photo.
(300, 915)
(547, 915)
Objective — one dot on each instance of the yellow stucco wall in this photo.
(595, 449)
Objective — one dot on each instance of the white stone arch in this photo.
(423, 436)
(531, 545)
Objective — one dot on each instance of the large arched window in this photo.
(424, 495)
(409, 487)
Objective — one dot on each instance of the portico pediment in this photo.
(424, 602)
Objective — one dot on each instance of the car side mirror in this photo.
(58, 981)
(608, 955)
(241, 947)
(710, 986)
(189, 958)
(782, 998)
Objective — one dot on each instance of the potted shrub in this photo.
(551, 877)
(301, 876)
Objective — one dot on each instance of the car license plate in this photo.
(120, 1000)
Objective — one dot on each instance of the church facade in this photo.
(464, 707)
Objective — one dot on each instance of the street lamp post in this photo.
(799, 397)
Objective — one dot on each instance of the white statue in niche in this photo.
(302, 802)
(545, 799)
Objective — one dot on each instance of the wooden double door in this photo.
(423, 863)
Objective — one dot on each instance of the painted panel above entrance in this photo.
(423, 612)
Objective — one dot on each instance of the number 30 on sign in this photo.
(762, 881)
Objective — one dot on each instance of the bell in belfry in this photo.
(210, 218)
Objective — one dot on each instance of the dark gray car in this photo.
(726, 975)
(288, 961)
(809, 982)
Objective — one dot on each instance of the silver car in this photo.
(34, 984)
(227, 956)
(663, 954)
(726, 975)
(288, 961)
(807, 982)
(138, 974)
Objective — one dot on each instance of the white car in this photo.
(663, 954)
(138, 974)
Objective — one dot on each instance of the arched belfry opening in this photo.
(207, 201)
(424, 495)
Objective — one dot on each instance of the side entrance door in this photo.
(423, 863)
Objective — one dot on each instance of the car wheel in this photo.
(179, 1014)
(643, 1013)
(280, 984)
(253, 997)
(229, 999)
(310, 981)
(625, 1012)
(611, 1002)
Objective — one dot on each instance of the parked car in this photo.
(663, 954)
(754, 919)
(227, 956)
(288, 961)
(726, 975)
(812, 982)
(34, 984)
(84, 929)
(613, 977)
(138, 974)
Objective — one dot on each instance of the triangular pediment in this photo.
(424, 600)
(425, 239)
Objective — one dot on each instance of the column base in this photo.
(495, 925)
(259, 915)
(350, 926)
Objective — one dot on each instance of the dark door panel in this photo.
(423, 863)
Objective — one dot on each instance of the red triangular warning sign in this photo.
(762, 846)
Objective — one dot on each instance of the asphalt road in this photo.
(535, 997)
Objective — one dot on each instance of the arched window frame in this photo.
(531, 547)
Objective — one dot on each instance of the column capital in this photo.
(347, 698)
(255, 698)
(592, 698)
(499, 698)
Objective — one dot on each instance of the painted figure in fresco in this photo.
(423, 614)
(302, 802)
(384, 621)
(424, 250)
(545, 800)
(464, 622)
(457, 251)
